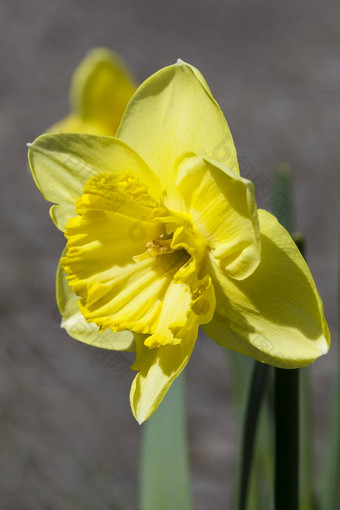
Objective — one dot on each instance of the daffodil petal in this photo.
(101, 88)
(61, 164)
(158, 368)
(199, 76)
(77, 326)
(60, 214)
(223, 210)
(173, 113)
(275, 315)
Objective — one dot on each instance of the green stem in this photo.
(286, 403)
(257, 385)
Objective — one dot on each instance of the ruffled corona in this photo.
(129, 267)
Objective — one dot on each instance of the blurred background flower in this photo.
(101, 88)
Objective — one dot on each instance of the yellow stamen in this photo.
(156, 247)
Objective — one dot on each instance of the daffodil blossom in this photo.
(163, 235)
(100, 91)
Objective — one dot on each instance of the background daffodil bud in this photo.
(101, 87)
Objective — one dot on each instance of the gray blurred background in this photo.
(67, 437)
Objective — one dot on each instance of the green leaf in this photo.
(165, 475)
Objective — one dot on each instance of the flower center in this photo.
(157, 247)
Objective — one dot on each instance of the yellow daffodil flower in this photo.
(100, 91)
(163, 235)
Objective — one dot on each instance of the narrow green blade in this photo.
(164, 476)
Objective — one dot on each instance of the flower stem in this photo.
(286, 402)
(257, 385)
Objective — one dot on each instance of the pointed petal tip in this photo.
(143, 417)
(139, 414)
(324, 347)
(140, 419)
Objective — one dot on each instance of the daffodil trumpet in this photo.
(164, 236)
